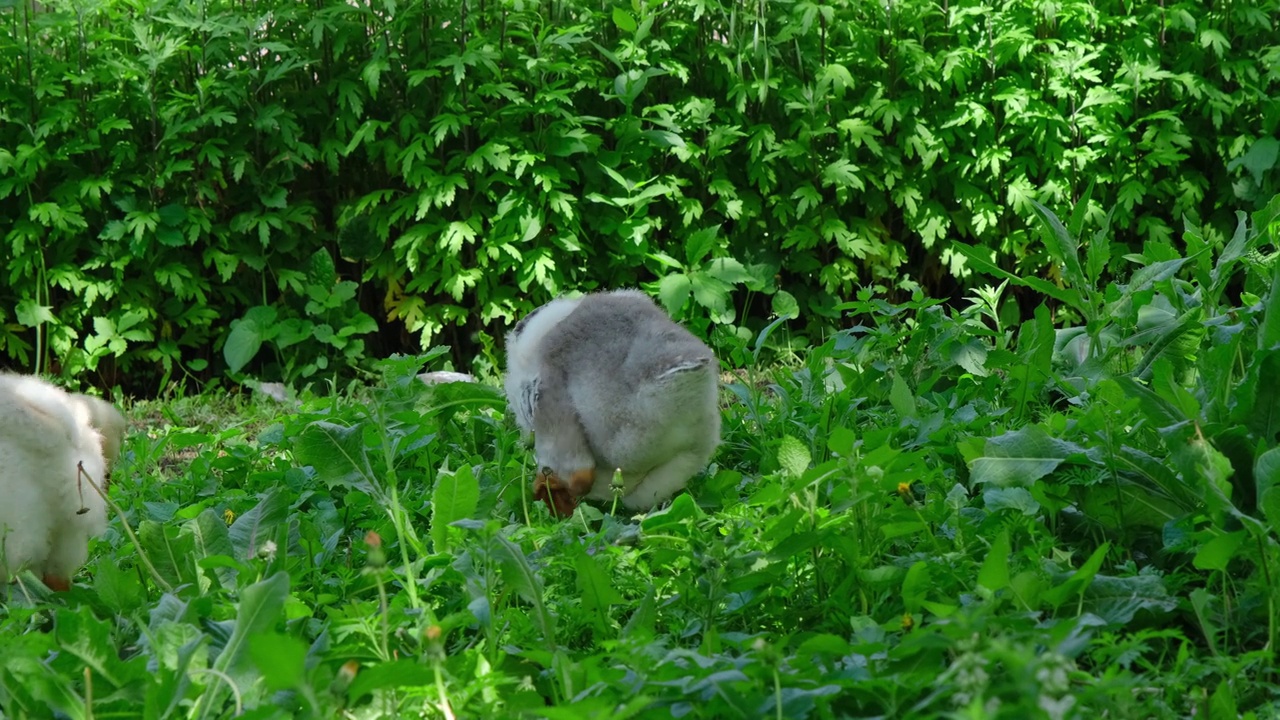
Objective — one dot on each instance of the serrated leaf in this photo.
(1062, 245)
(972, 356)
(595, 587)
(336, 452)
(709, 292)
(700, 244)
(901, 397)
(255, 527)
(793, 456)
(32, 314)
(674, 291)
(88, 639)
(842, 173)
(728, 270)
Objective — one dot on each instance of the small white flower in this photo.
(267, 551)
(1057, 709)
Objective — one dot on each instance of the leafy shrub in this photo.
(167, 167)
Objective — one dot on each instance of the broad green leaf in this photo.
(1190, 321)
(177, 647)
(118, 587)
(1203, 604)
(258, 612)
(1018, 499)
(665, 139)
(673, 517)
(1256, 396)
(1222, 704)
(729, 270)
(1075, 226)
(1261, 157)
(1207, 471)
(1021, 457)
(520, 576)
(785, 306)
(892, 530)
(916, 586)
(1079, 580)
(1218, 552)
(1143, 280)
(455, 497)
(1269, 334)
(1266, 476)
(709, 292)
(253, 529)
(171, 550)
(1234, 250)
(972, 356)
(280, 659)
(1118, 599)
(321, 269)
(243, 343)
(994, 574)
(211, 538)
(406, 673)
(623, 20)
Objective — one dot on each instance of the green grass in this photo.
(939, 512)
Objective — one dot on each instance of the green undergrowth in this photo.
(936, 512)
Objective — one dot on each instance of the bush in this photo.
(168, 166)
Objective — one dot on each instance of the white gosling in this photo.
(608, 381)
(49, 442)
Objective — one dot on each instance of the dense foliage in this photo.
(936, 513)
(190, 187)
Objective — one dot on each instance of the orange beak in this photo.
(562, 497)
(56, 583)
